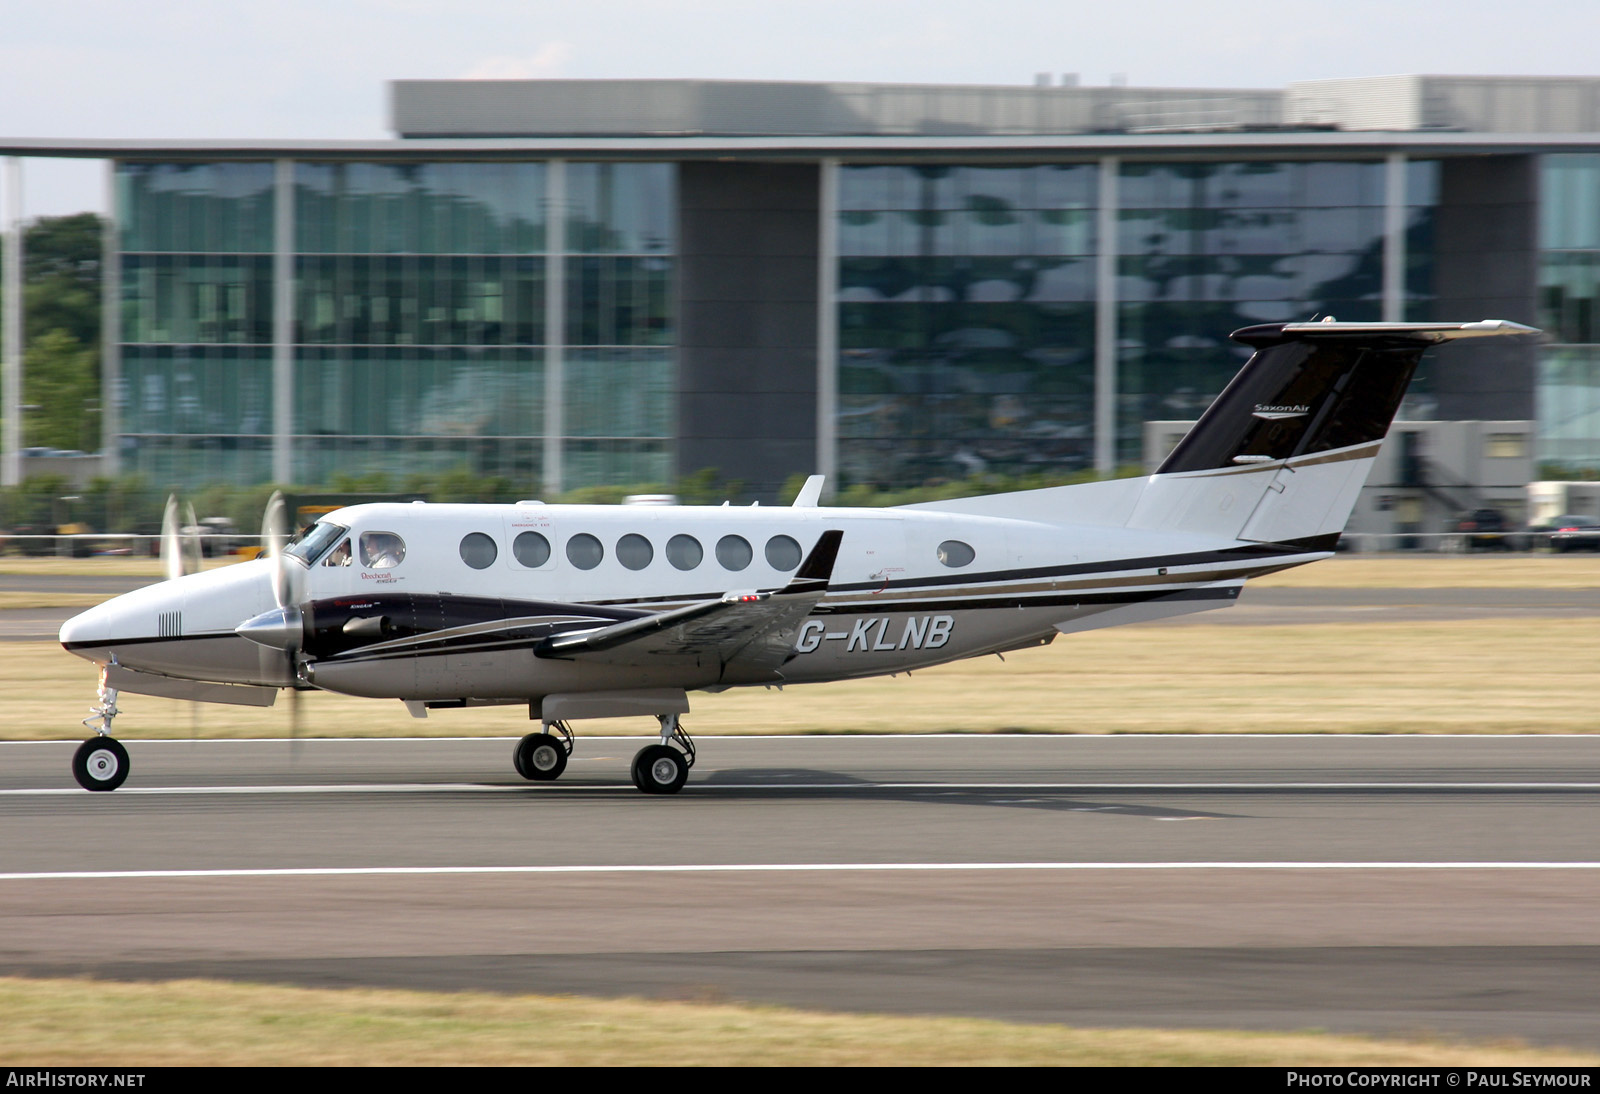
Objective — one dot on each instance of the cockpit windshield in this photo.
(311, 541)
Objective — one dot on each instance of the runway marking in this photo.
(770, 868)
(709, 787)
(697, 789)
(866, 787)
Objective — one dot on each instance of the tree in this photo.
(62, 260)
(60, 379)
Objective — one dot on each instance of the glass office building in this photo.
(410, 306)
(966, 320)
(1569, 305)
(567, 283)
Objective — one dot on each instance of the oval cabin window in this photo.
(584, 551)
(783, 553)
(531, 549)
(734, 553)
(684, 552)
(952, 552)
(634, 551)
(478, 550)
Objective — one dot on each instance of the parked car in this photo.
(1485, 530)
(1569, 532)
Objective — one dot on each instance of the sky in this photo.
(318, 69)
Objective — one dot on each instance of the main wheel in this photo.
(660, 769)
(100, 763)
(540, 757)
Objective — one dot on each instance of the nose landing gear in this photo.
(101, 763)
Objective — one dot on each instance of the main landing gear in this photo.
(101, 763)
(542, 757)
(657, 769)
(663, 768)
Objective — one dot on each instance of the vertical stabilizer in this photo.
(1282, 453)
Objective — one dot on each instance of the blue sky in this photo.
(317, 68)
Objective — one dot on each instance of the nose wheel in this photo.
(101, 763)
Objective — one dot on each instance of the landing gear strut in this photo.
(663, 768)
(542, 757)
(101, 763)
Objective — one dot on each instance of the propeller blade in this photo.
(189, 540)
(171, 549)
(274, 535)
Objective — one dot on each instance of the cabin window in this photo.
(952, 552)
(684, 552)
(382, 550)
(531, 549)
(734, 552)
(478, 550)
(634, 551)
(584, 551)
(783, 553)
(339, 556)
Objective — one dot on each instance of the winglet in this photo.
(818, 565)
(810, 493)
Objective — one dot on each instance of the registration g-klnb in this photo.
(877, 632)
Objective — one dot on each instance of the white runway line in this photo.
(773, 868)
(696, 789)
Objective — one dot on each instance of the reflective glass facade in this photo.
(195, 389)
(1206, 248)
(419, 339)
(966, 320)
(419, 318)
(1569, 312)
(620, 373)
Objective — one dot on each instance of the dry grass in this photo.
(1475, 571)
(97, 1024)
(1480, 676)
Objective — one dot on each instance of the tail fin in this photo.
(1283, 452)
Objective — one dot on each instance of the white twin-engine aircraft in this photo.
(606, 611)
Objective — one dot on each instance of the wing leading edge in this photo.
(748, 634)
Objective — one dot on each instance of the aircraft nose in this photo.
(87, 628)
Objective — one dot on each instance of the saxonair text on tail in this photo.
(609, 611)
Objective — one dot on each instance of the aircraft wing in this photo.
(743, 632)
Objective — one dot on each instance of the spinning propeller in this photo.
(283, 628)
(180, 545)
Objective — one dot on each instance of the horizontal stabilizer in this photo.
(1314, 387)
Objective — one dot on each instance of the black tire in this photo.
(100, 764)
(541, 757)
(660, 769)
(516, 759)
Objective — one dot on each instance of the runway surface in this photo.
(1365, 884)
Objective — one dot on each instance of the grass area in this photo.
(1474, 571)
(1509, 675)
(101, 1024)
(100, 565)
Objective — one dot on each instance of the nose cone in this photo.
(90, 629)
(278, 629)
